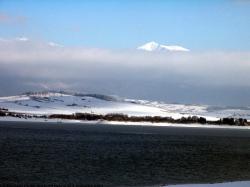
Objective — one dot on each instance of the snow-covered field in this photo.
(46, 103)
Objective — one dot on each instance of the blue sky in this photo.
(215, 71)
(198, 25)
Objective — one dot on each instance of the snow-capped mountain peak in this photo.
(153, 46)
(173, 48)
(150, 46)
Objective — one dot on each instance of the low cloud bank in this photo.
(204, 77)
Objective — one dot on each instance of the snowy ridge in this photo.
(46, 103)
(226, 184)
(153, 46)
(67, 103)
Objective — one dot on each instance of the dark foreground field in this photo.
(39, 153)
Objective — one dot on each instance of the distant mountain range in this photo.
(153, 46)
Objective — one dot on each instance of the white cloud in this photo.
(2, 40)
(204, 68)
(23, 39)
(128, 72)
(54, 44)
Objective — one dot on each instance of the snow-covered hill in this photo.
(66, 103)
(153, 46)
(69, 103)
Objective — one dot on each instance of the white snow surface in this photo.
(59, 103)
(46, 103)
(153, 46)
(227, 184)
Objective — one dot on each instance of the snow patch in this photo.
(52, 44)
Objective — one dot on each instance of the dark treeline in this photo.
(126, 118)
(153, 119)
(6, 112)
